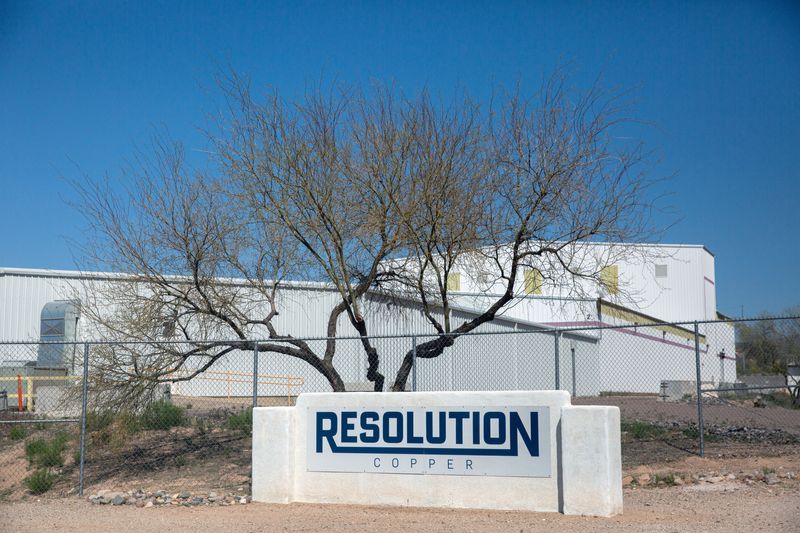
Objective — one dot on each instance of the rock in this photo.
(678, 481)
(198, 500)
(772, 479)
(715, 479)
(148, 504)
(103, 500)
(118, 500)
(140, 503)
(627, 480)
(644, 479)
(730, 476)
(184, 495)
(160, 493)
(243, 500)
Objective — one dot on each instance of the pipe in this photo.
(19, 392)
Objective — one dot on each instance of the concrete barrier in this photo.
(521, 450)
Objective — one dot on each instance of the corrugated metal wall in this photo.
(518, 360)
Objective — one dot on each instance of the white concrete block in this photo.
(591, 465)
(584, 457)
(274, 446)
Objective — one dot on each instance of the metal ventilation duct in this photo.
(59, 322)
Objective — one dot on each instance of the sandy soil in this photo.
(218, 459)
(721, 507)
(728, 413)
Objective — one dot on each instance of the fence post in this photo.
(255, 375)
(574, 387)
(699, 390)
(29, 394)
(414, 363)
(84, 403)
(558, 360)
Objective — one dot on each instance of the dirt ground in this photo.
(216, 458)
(715, 412)
(728, 505)
(716, 508)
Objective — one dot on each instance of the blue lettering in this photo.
(367, 424)
(412, 439)
(476, 427)
(323, 433)
(429, 436)
(398, 427)
(501, 427)
(531, 439)
(501, 434)
(459, 417)
(348, 426)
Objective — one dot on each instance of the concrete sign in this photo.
(516, 450)
(498, 441)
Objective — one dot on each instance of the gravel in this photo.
(723, 506)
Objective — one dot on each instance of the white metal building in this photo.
(679, 286)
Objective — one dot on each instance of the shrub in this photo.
(17, 433)
(668, 479)
(643, 430)
(35, 448)
(128, 422)
(242, 421)
(694, 433)
(40, 452)
(40, 481)
(98, 421)
(163, 415)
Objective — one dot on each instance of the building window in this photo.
(453, 281)
(533, 281)
(609, 278)
(661, 271)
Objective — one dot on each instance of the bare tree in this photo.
(369, 192)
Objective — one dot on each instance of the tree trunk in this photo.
(426, 350)
(373, 360)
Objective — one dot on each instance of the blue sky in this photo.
(82, 84)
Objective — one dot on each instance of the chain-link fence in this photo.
(177, 415)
